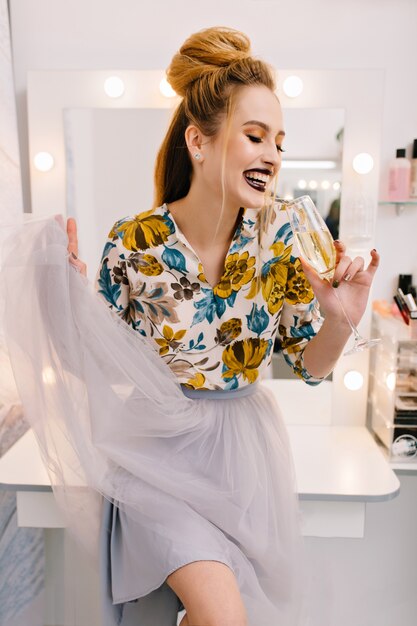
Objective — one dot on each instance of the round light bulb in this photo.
(302, 184)
(391, 381)
(363, 163)
(336, 186)
(166, 89)
(48, 375)
(43, 161)
(325, 184)
(312, 184)
(353, 380)
(293, 86)
(114, 87)
(288, 196)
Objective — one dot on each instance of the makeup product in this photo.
(411, 303)
(399, 178)
(413, 186)
(403, 301)
(404, 282)
(402, 309)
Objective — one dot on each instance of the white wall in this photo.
(379, 570)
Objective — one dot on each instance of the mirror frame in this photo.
(358, 92)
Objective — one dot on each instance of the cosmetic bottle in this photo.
(399, 178)
(413, 188)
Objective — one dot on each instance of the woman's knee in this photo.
(209, 593)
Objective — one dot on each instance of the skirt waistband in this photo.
(220, 394)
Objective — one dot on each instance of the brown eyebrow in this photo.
(263, 125)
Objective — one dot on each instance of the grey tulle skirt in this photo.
(183, 478)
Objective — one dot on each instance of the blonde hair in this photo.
(206, 72)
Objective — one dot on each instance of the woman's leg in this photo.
(209, 593)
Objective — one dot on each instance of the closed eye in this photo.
(259, 140)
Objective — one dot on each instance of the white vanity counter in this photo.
(331, 463)
(338, 468)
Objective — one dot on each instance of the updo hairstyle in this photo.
(205, 72)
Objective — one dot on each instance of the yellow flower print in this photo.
(170, 340)
(244, 357)
(239, 270)
(281, 251)
(144, 231)
(273, 286)
(149, 265)
(228, 331)
(273, 278)
(298, 288)
(201, 276)
(196, 382)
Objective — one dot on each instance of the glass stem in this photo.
(351, 324)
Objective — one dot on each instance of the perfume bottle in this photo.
(399, 178)
(413, 188)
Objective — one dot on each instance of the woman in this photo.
(199, 492)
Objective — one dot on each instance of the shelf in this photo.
(399, 206)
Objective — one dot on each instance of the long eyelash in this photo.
(259, 139)
(255, 139)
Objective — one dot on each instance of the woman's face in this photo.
(253, 154)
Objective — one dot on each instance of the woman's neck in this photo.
(199, 218)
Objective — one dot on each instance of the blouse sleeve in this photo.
(300, 319)
(111, 281)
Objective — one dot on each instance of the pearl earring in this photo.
(197, 156)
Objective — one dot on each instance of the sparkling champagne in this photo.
(316, 246)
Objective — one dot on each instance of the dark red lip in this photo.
(255, 185)
(260, 170)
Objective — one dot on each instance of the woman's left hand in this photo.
(352, 281)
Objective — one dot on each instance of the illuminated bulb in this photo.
(43, 161)
(288, 196)
(336, 186)
(301, 184)
(325, 184)
(363, 163)
(293, 86)
(48, 376)
(166, 89)
(353, 380)
(114, 87)
(391, 381)
(312, 184)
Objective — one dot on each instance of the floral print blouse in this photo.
(217, 337)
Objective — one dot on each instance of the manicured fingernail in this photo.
(335, 284)
(373, 249)
(74, 256)
(337, 241)
(347, 277)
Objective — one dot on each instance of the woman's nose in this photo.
(271, 157)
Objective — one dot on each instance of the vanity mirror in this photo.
(98, 177)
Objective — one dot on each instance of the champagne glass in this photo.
(316, 246)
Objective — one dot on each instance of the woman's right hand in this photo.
(79, 265)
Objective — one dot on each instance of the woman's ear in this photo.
(194, 140)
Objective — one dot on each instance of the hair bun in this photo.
(206, 52)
